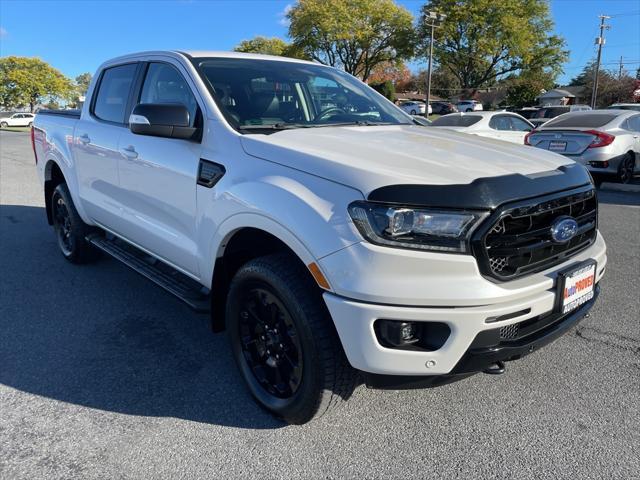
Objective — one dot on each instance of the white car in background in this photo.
(506, 126)
(552, 111)
(17, 120)
(469, 106)
(607, 142)
(414, 108)
(625, 106)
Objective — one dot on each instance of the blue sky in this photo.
(76, 36)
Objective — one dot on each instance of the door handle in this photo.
(84, 139)
(130, 152)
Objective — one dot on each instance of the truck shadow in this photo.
(103, 337)
(618, 198)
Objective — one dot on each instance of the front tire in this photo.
(69, 227)
(4, 124)
(413, 112)
(626, 168)
(284, 341)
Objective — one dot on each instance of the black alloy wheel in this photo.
(284, 341)
(71, 231)
(62, 224)
(270, 343)
(627, 166)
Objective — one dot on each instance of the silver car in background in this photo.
(607, 142)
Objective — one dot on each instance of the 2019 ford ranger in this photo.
(334, 239)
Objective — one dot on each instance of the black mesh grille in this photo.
(518, 239)
(509, 332)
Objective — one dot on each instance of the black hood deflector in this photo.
(485, 193)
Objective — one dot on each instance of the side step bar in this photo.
(174, 282)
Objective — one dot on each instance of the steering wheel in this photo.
(331, 110)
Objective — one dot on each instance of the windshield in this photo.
(456, 121)
(271, 95)
(592, 120)
(551, 112)
(624, 107)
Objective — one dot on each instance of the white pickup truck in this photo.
(336, 241)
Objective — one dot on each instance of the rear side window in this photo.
(500, 122)
(164, 84)
(519, 125)
(456, 121)
(581, 121)
(634, 123)
(113, 93)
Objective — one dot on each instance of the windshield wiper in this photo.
(272, 126)
(356, 123)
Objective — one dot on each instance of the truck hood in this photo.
(370, 157)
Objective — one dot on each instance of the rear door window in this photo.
(113, 93)
(456, 121)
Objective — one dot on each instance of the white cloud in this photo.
(284, 21)
(3, 32)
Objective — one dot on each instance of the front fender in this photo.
(299, 214)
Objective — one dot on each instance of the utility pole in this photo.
(431, 18)
(600, 42)
(620, 69)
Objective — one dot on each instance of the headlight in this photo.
(415, 228)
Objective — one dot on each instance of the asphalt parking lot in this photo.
(103, 375)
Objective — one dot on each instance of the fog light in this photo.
(398, 333)
(595, 164)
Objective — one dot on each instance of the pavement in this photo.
(103, 375)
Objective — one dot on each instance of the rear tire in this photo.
(413, 112)
(626, 168)
(284, 341)
(69, 227)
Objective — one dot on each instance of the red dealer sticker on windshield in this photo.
(578, 287)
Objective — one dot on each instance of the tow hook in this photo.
(496, 368)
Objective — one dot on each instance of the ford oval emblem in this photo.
(564, 229)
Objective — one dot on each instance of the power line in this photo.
(625, 14)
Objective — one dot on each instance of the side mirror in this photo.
(162, 120)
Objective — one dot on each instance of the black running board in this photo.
(173, 281)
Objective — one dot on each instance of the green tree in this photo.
(270, 46)
(612, 88)
(482, 41)
(523, 90)
(80, 87)
(355, 35)
(385, 88)
(26, 81)
(82, 83)
(263, 45)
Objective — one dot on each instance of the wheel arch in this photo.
(243, 238)
(53, 176)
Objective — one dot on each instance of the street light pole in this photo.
(600, 42)
(426, 110)
(431, 17)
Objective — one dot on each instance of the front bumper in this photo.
(483, 352)
(354, 320)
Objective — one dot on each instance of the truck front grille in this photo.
(517, 239)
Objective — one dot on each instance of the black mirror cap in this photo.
(165, 120)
